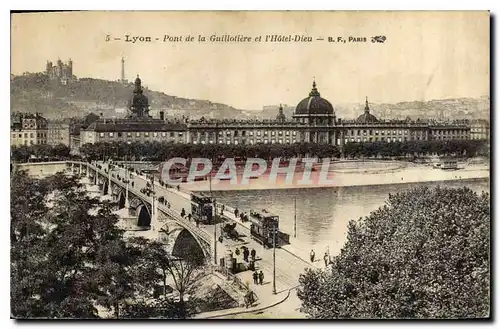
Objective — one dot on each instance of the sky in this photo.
(426, 55)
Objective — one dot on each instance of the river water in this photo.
(323, 213)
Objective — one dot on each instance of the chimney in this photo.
(162, 115)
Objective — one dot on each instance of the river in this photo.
(323, 213)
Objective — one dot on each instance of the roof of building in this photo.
(149, 125)
(89, 118)
(314, 104)
(366, 117)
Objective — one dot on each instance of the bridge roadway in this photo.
(288, 265)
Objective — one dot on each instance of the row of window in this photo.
(449, 132)
(38, 142)
(251, 141)
(450, 137)
(394, 139)
(243, 133)
(376, 132)
(140, 134)
(31, 135)
(381, 139)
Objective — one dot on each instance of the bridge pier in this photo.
(109, 182)
(154, 210)
(127, 203)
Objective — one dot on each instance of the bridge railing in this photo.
(170, 212)
(199, 232)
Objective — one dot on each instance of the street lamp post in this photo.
(295, 218)
(274, 259)
(127, 205)
(215, 233)
(153, 210)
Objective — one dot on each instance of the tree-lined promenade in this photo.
(40, 151)
(160, 151)
(156, 151)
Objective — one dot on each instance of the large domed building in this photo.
(318, 113)
(314, 104)
(314, 121)
(314, 109)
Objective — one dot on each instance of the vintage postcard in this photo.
(241, 165)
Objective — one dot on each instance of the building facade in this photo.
(314, 120)
(28, 129)
(480, 129)
(58, 133)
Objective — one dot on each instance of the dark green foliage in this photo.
(157, 151)
(467, 148)
(23, 153)
(425, 254)
(68, 257)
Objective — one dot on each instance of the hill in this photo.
(453, 108)
(35, 92)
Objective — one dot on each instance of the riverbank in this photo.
(344, 178)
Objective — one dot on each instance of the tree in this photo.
(155, 266)
(63, 244)
(68, 257)
(425, 254)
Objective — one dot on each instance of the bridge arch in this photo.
(182, 243)
(143, 216)
(187, 246)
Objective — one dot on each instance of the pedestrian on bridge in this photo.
(236, 212)
(246, 254)
(311, 255)
(255, 276)
(326, 258)
(253, 254)
(189, 217)
(261, 277)
(183, 213)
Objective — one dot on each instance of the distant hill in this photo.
(35, 92)
(453, 108)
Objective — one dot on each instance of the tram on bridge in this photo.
(202, 208)
(262, 226)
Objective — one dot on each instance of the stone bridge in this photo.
(139, 211)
